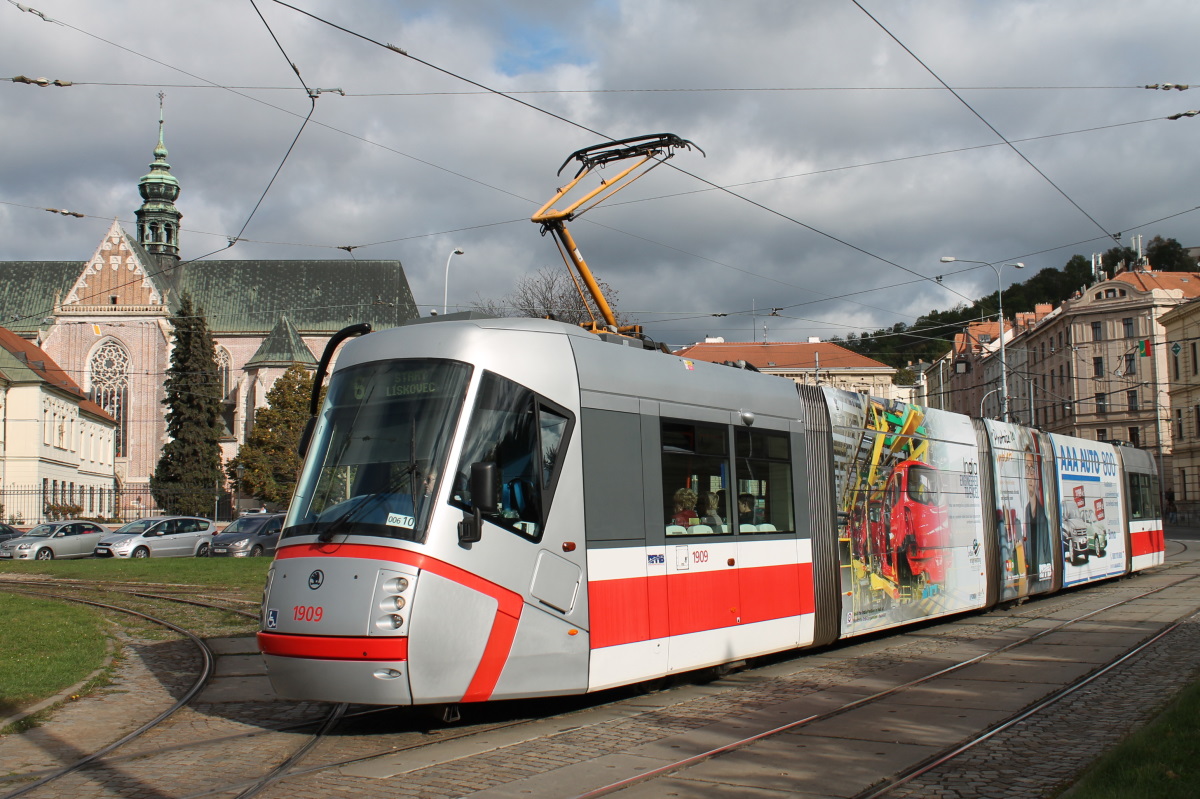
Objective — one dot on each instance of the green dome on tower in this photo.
(158, 218)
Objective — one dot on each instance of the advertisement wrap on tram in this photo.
(909, 514)
(1023, 471)
(1089, 498)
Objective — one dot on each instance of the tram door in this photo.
(699, 523)
(775, 575)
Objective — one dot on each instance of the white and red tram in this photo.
(499, 508)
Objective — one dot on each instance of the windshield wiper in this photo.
(368, 501)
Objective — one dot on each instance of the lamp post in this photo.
(985, 396)
(237, 502)
(1000, 302)
(446, 288)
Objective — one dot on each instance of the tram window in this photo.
(764, 480)
(1143, 496)
(525, 437)
(695, 469)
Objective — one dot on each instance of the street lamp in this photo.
(446, 289)
(985, 396)
(1000, 302)
(237, 503)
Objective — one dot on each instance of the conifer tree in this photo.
(269, 459)
(189, 470)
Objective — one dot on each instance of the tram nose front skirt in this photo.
(336, 629)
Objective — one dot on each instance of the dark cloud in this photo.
(407, 158)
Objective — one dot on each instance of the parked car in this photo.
(248, 537)
(7, 532)
(66, 539)
(159, 537)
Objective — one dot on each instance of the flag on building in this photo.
(1144, 347)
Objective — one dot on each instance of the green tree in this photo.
(1168, 255)
(268, 458)
(189, 470)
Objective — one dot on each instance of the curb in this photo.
(64, 694)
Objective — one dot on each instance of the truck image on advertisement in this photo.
(899, 536)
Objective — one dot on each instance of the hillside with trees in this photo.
(932, 334)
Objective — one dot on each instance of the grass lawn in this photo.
(1160, 761)
(45, 646)
(243, 575)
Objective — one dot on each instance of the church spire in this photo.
(158, 218)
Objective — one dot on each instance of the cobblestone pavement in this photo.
(1044, 753)
(1031, 759)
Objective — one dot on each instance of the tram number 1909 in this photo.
(307, 613)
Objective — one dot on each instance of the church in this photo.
(106, 321)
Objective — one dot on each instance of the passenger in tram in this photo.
(685, 508)
(708, 508)
(746, 509)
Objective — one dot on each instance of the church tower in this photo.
(158, 218)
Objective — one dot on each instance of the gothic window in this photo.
(224, 370)
(110, 388)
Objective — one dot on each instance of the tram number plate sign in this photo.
(400, 520)
(307, 612)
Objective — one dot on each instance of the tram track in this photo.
(291, 767)
(100, 759)
(291, 770)
(105, 759)
(943, 758)
(208, 663)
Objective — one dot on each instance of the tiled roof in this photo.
(283, 347)
(782, 355)
(22, 361)
(27, 290)
(1187, 282)
(972, 338)
(317, 296)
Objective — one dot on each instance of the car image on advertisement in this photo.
(66, 539)
(249, 537)
(159, 537)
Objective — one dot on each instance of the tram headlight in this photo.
(397, 621)
(400, 602)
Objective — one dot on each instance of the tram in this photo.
(509, 508)
(489, 510)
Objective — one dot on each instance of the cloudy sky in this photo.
(838, 167)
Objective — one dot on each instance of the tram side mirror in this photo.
(485, 486)
(306, 436)
(485, 492)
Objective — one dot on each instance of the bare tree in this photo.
(549, 292)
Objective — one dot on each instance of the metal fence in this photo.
(23, 506)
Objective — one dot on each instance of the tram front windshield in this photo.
(379, 450)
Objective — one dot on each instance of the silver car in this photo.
(67, 539)
(159, 537)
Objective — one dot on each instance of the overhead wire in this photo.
(982, 119)
(488, 90)
(583, 127)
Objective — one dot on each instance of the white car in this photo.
(159, 537)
